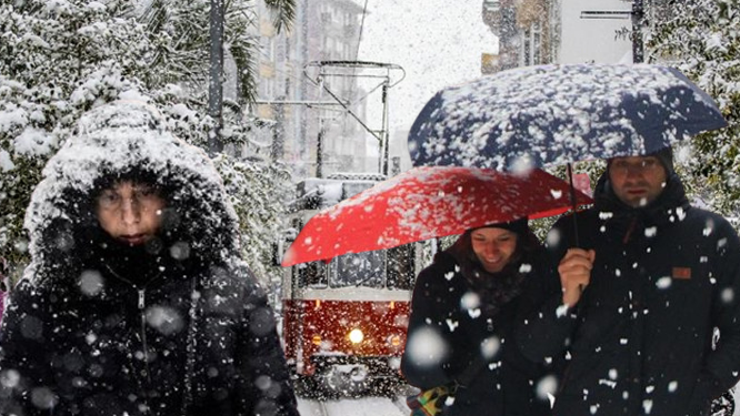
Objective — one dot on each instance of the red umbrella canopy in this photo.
(428, 202)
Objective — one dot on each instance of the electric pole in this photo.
(638, 14)
(215, 87)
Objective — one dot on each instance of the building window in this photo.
(536, 43)
(268, 87)
(324, 43)
(288, 50)
(268, 48)
(492, 5)
(532, 45)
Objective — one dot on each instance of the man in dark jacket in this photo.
(137, 301)
(642, 300)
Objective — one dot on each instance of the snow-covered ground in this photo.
(366, 406)
(378, 406)
(375, 406)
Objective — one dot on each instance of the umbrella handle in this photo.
(574, 204)
(575, 220)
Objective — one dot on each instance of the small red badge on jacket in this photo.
(682, 273)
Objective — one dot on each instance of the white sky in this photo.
(437, 42)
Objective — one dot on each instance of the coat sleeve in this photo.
(426, 360)
(722, 365)
(547, 325)
(26, 378)
(266, 386)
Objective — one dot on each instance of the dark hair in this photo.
(110, 180)
(494, 289)
(470, 266)
(664, 156)
(87, 231)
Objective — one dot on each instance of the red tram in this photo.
(344, 322)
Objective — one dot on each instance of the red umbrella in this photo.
(424, 203)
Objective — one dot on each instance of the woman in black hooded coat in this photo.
(104, 324)
(464, 310)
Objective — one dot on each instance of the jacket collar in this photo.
(669, 208)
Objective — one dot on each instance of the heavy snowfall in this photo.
(311, 103)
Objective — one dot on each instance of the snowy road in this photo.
(367, 406)
(379, 406)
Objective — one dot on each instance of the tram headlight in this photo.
(356, 336)
(394, 340)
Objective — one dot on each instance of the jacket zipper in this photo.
(630, 229)
(142, 297)
(145, 346)
(187, 401)
(142, 313)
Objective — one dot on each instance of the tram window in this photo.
(360, 269)
(401, 270)
(311, 274)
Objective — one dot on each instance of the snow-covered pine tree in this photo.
(56, 63)
(61, 58)
(700, 38)
(186, 22)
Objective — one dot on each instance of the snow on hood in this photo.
(555, 114)
(116, 138)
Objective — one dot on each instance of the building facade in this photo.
(526, 31)
(533, 32)
(312, 131)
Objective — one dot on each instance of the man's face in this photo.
(130, 212)
(637, 180)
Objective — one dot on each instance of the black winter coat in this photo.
(640, 339)
(126, 347)
(505, 382)
(179, 327)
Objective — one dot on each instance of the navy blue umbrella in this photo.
(557, 114)
(550, 115)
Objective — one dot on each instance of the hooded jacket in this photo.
(458, 335)
(640, 340)
(177, 327)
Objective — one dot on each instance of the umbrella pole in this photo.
(573, 204)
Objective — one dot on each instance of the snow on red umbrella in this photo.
(425, 203)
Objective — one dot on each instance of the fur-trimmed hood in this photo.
(115, 140)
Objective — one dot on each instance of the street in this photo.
(366, 406)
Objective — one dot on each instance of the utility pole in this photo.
(215, 87)
(384, 135)
(638, 14)
(277, 147)
(320, 151)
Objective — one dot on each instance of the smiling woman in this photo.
(464, 308)
(493, 247)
